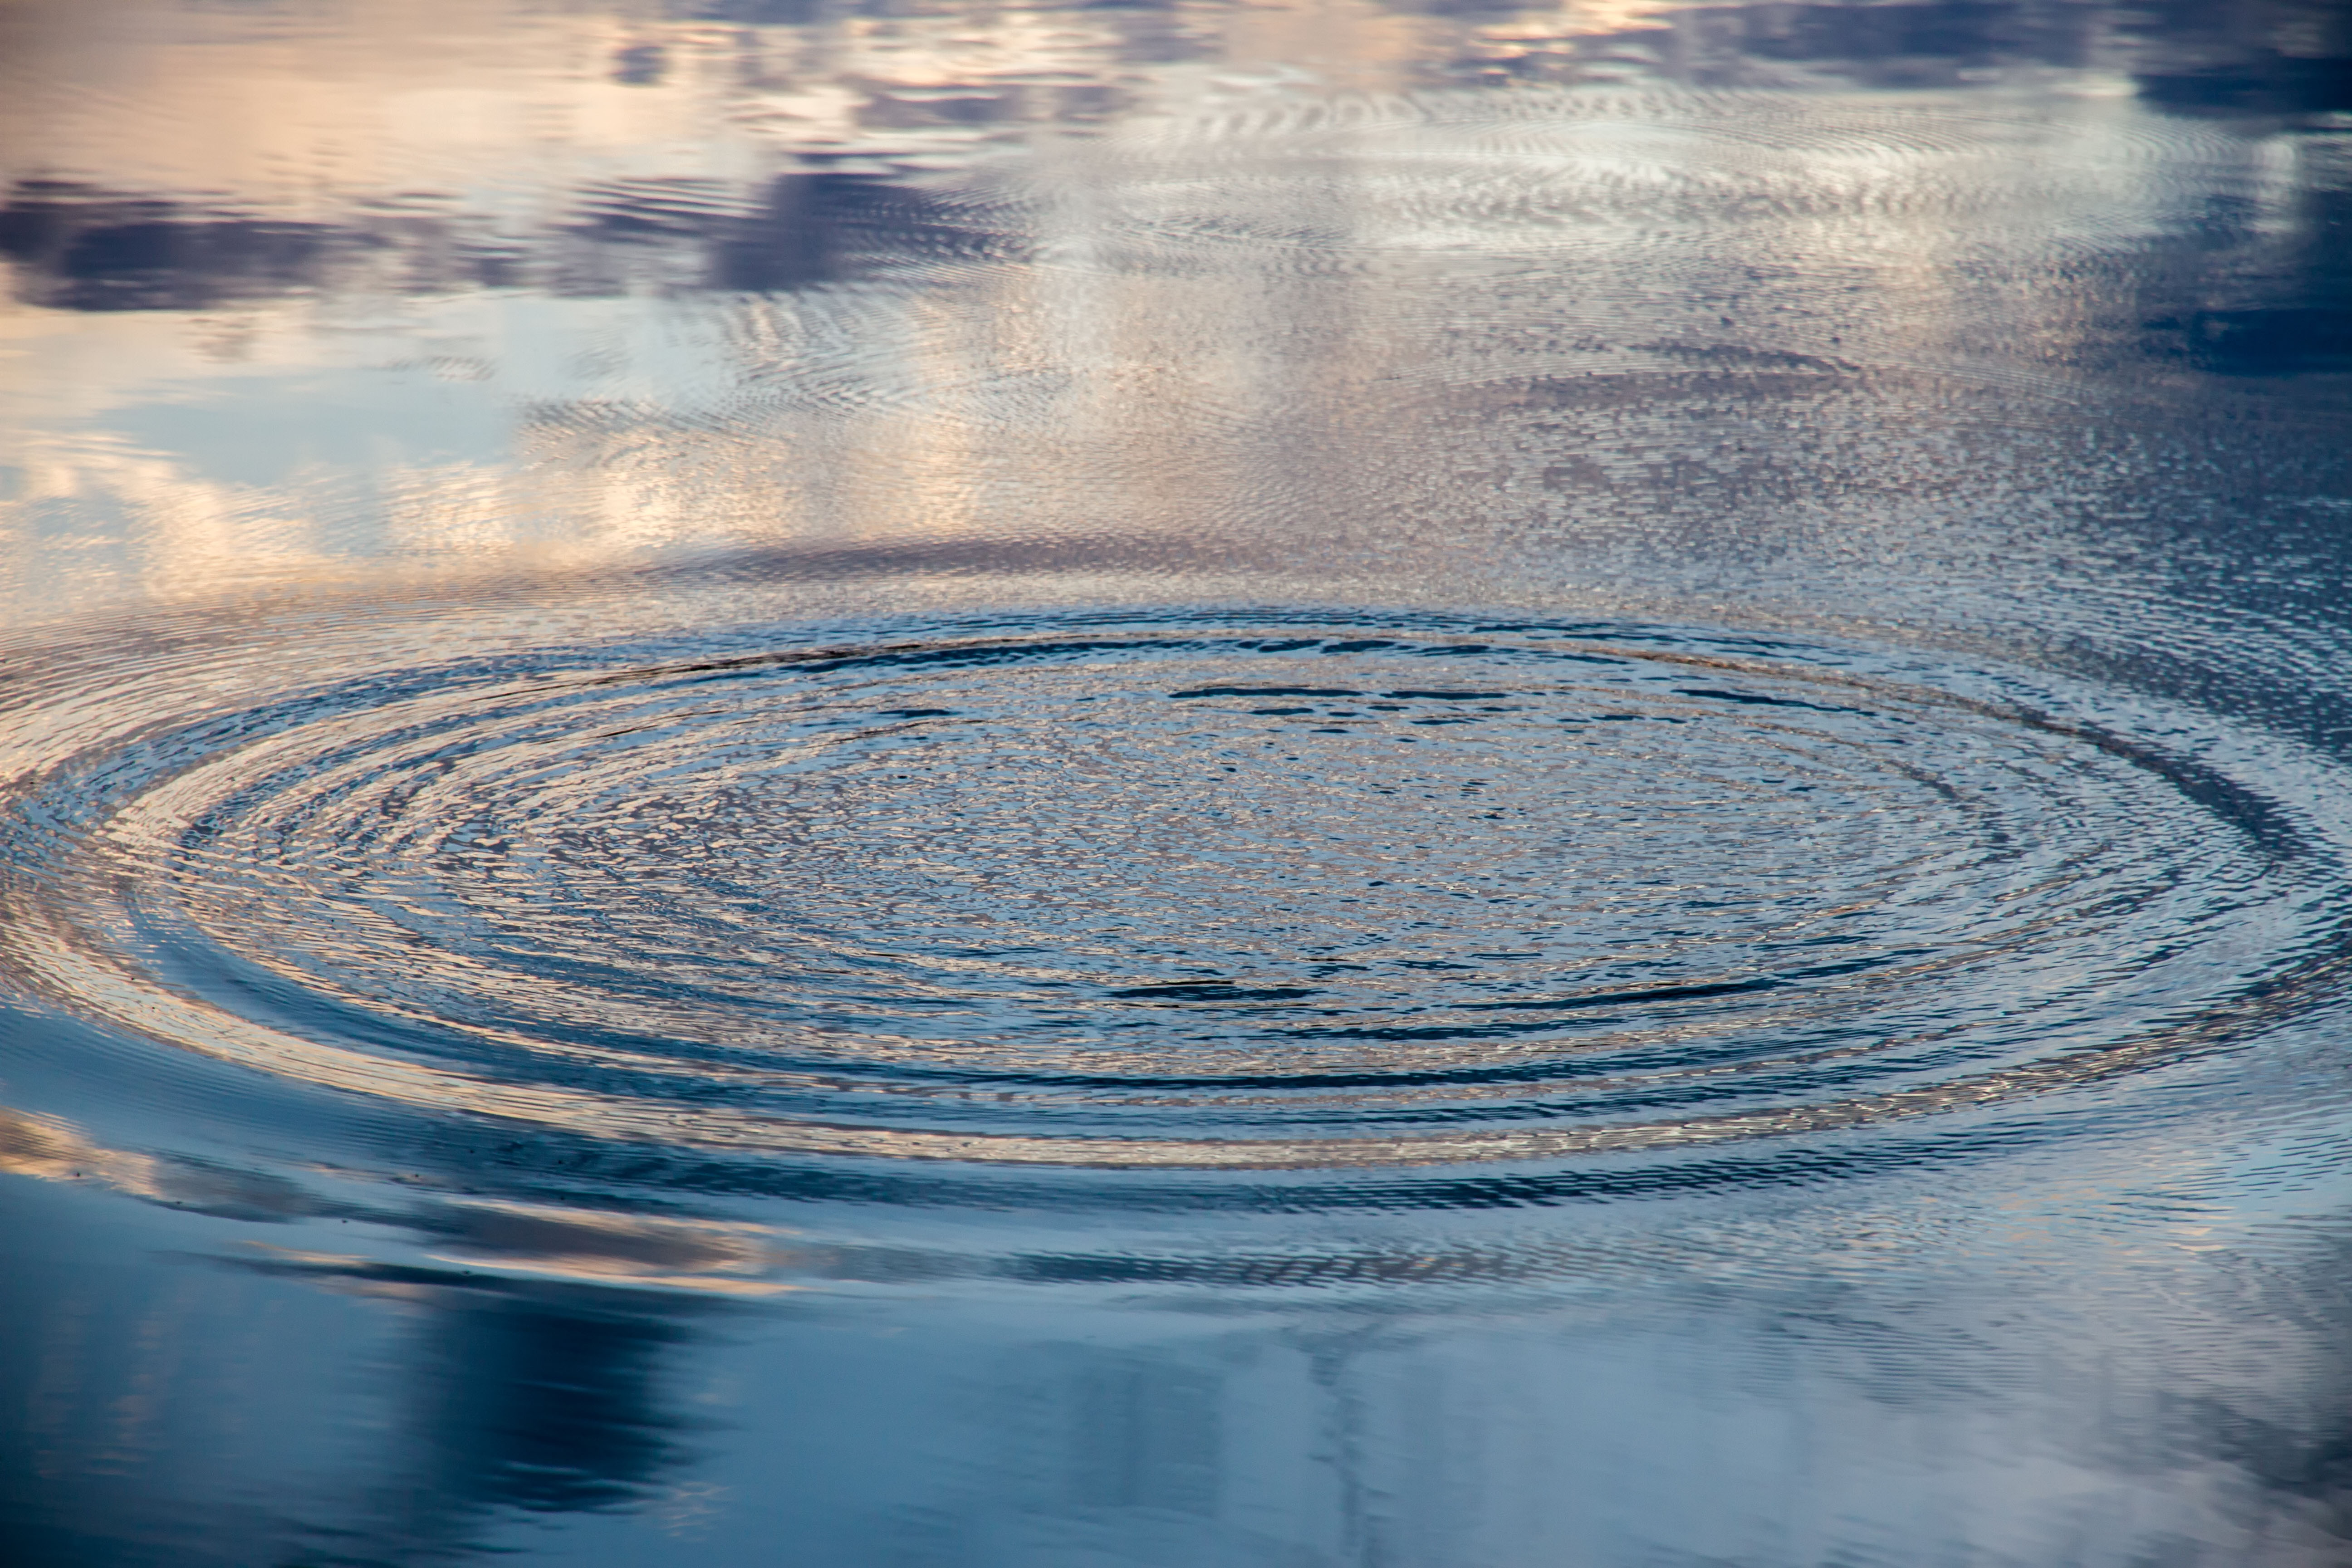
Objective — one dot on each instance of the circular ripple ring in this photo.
(1286, 898)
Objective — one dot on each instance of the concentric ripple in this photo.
(1180, 895)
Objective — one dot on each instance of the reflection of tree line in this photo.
(549, 1401)
(541, 1394)
(542, 1399)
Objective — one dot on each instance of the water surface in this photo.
(1173, 783)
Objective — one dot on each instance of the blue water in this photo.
(1176, 785)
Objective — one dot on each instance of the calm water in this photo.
(862, 781)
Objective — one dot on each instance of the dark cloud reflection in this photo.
(544, 1401)
(81, 249)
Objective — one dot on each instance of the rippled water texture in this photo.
(1176, 897)
(1175, 784)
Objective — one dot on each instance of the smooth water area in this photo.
(1421, 785)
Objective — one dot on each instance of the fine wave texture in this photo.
(1391, 785)
(1186, 894)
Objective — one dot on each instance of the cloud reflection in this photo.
(1897, 317)
(444, 291)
